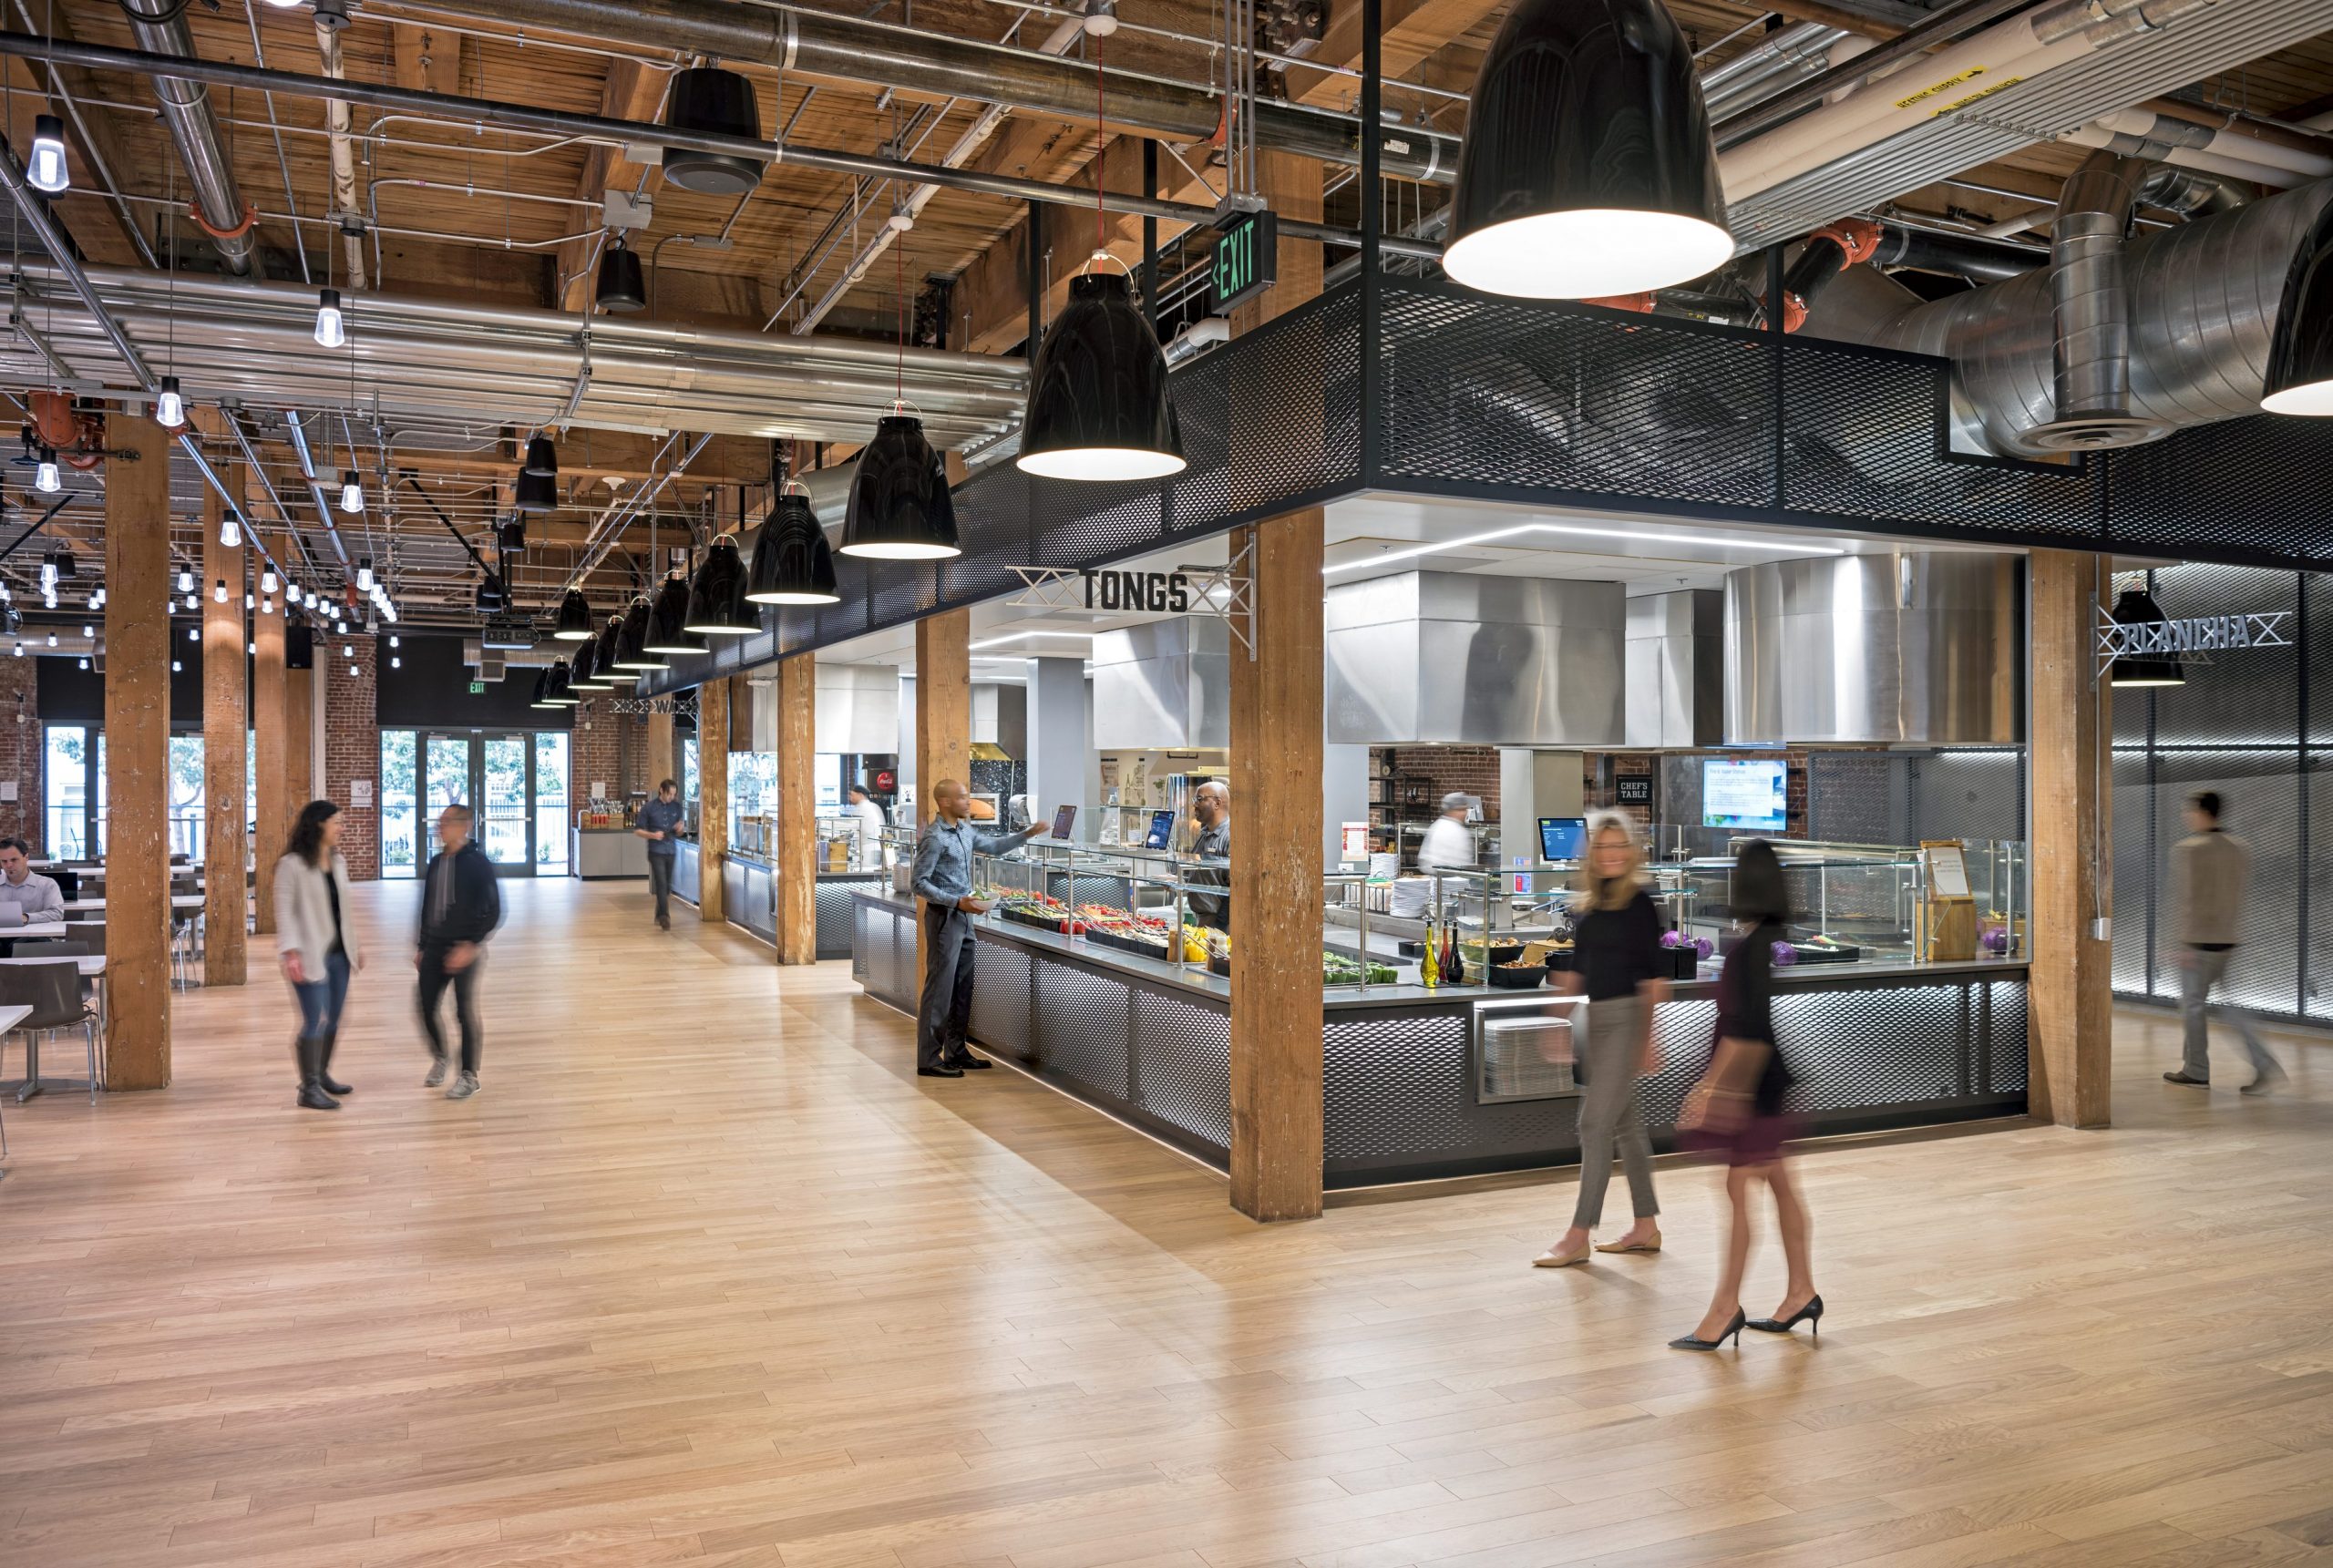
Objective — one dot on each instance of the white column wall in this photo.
(1061, 734)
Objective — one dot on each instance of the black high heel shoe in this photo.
(1811, 1314)
(1732, 1329)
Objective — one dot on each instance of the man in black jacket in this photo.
(460, 906)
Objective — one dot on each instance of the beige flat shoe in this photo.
(1551, 1258)
(1652, 1245)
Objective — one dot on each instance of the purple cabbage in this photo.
(1671, 940)
(1784, 955)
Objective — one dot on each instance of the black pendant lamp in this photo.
(899, 506)
(2300, 357)
(631, 652)
(792, 561)
(536, 494)
(1588, 169)
(1099, 407)
(604, 650)
(542, 689)
(582, 672)
(542, 457)
(717, 596)
(710, 99)
(556, 693)
(574, 617)
(668, 621)
(2135, 607)
(620, 289)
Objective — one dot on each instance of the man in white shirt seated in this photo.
(26, 897)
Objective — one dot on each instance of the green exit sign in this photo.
(1247, 259)
(477, 688)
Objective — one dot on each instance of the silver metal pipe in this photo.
(618, 132)
(315, 484)
(186, 105)
(816, 44)
(2090, 296)
(1942, 28)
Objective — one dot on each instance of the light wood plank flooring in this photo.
(706, 1275)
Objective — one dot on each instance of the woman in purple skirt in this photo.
(1736, 1108)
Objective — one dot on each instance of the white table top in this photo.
(186, 901)
(10, 1017)
(91, 965)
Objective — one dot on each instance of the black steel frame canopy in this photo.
(1394, 384)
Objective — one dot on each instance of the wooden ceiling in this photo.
(476, 214)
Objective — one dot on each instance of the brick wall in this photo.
(1439, 770)
(22, 751)
(353, 746)
(606, 748)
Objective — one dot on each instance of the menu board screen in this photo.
(1747, 795)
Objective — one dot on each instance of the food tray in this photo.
(1524, 979)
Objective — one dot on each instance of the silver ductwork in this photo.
(1915, 646)
(857, 707)
(433, 365)
(1164, 685)
(1676, 669)
(1442, 657)
(2200, 314)
(186, 108)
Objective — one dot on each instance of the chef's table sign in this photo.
(1947, 868)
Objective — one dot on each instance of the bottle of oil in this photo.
(1430, 965)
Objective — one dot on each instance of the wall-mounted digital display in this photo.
(1562, 837)
(1752, 795)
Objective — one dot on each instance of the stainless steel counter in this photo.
(607, 854)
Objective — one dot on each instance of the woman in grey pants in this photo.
(1616, 961)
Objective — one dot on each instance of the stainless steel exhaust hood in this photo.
(1677, 669)
(1452, 658)
(1164, 685)
(858, 708)
(1912, 646)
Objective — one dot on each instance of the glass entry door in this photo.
(495, 775)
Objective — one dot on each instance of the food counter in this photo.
(1436, 1082)
(749, 890)
(749, 894)
(606, 854)
(687, 878)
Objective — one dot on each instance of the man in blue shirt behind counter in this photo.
(943, 880)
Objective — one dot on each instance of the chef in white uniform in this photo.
(870, 850)
(1449, 844)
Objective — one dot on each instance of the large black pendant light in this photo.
(620, 289)
(717, 596)
(899, 507)
(542, 689)
(792, 563)
(583, 672)
(556, 693)
(2135, 607)
(1099, 407)
(668, 621)
(1588, 169)
(536, 494)
(604, 649)
(542, 457)
(710, 100)
(574, 617)
(2300, 357)
(632, 650)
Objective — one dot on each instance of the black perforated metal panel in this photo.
(2006, 1056)
(2135, 863)
(2251, 486)
(2261, 794)
(1878, 1047)
(2248, 697)
(1183, 1066)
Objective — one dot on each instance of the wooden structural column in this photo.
(225, 843)
(138, 759)
(943, 716)
(1275, 811)
(712, 796)
(272, 824)
(2070, 1006)
(660, 762)
(798, 828)
(300, 730)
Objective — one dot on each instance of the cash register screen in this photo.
(1562, 837)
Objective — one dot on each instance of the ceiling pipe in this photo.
(1849, 74)
(317, 486)
(473, 112)
(343, 149)
(2041, 40)
(219, 203)
(2167, 139)
(846, 48)
(975, 137)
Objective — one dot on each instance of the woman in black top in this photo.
(1737, 1109)
(1615, 960)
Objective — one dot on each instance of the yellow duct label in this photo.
(1945, 86)
(1962, 103)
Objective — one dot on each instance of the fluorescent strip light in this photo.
(1579, 531)
(1024, 636)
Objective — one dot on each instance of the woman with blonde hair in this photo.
(1617, 961)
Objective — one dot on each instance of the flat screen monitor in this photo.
(1162, 830)
(1562, 837)
(1750, 794)
(1062, 819)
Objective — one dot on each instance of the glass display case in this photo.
(1863, 903)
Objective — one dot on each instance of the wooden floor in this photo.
(706, 1275)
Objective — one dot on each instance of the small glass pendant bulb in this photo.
(395, 662)
(331, 331)
(194, 601)
(175, 666)
(185, 581)
(194, 634)
(85, 663)
(364, 575)
(48, 575)
(267, 606)
(46, 172)
(52, 639)
(89, 630)
(219, 591)
(247, 601)
(45, 478)
(352, 492)
(267, 582)
(169, 404)
(231, 532)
